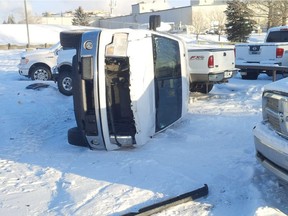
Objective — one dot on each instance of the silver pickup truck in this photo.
(271, 135)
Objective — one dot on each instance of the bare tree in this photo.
(275, 12)
(282, 9)
(31, 19)
(199, 23)
(219, 18)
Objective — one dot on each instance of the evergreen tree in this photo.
(11, 19)
(239, 23)
(80, 17)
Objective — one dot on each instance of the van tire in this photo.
(71, 39)
(76, 137)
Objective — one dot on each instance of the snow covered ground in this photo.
(41, 174)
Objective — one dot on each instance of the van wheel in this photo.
(40, 73)
(75, 137)
(64, 82)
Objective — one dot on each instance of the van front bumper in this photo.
(271, 150)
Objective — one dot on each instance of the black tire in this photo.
(154, 22)
(40, 73)
(71, 39)
(251, 75)
(201, 87)
(64, 82)
(76, 137)
(269, 73)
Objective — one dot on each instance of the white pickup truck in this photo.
(271, 135)
(209, 65)
(38, 64)
(255, 58)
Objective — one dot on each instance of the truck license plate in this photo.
(228, 74)
(254, 49)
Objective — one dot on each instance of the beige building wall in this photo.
(183, 17)
(179, 16)
(59, 20)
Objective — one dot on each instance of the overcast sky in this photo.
(16, 7)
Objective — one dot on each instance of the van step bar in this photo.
(158, 207)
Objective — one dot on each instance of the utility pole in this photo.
(112, 6)
(27, 26)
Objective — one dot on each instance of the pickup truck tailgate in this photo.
(211, 60)
(266, 53)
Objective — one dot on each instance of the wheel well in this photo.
(38, 65)
(65, 67)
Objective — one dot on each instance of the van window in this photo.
(168, 82)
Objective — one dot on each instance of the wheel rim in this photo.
(41, 74)
(67, 83)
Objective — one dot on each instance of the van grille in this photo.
(272, 104)
(274, 122)
(275, 112)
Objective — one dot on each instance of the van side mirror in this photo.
(154, 22)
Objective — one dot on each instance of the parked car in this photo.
(271, 135)
(38, 64)
(255, 58)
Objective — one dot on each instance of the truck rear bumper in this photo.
(260, 67)
(214, 77)
(271, 151)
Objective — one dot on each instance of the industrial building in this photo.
(198, 16)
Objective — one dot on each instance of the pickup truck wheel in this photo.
(200, 87)
(40, 73)
(64, 83)
(75, 137)
(251, 75)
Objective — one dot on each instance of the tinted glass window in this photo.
(168, 82)
(278, 36)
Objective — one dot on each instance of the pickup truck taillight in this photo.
(211, 61)
(279, 52)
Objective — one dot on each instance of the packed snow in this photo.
(41, 174)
